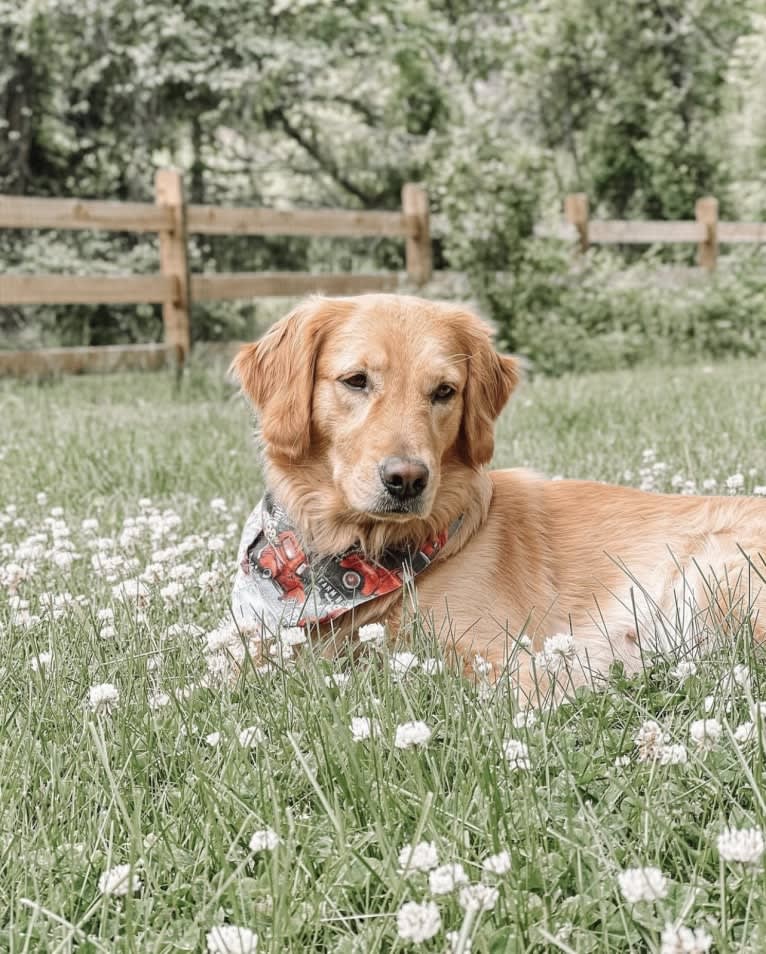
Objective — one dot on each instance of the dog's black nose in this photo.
(404, 477)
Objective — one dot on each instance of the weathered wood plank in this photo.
(223, 220)
(27, 212)
(82, 290)
(174, 264)
(210, 287)
(617, 232)
(736, 232)
(107, 358)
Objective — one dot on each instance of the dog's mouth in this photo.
(387, 507)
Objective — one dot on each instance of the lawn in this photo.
(280, 803)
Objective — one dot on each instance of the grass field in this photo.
(259, 805)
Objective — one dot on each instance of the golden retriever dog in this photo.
(377, 422)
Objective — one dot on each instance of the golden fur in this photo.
(617, 568)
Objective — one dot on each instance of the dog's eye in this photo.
(357, 382)
(443, 393)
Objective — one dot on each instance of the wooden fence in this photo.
(705, 230)
(173, 287)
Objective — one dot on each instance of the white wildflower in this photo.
(674, 754)
(337, 680)
(132, 590)
(230, 939)
(157, 699)
(453, 940)
(293, 636)
(410, 734)
(735, 482)
(213, 739)
(745, 732)
(621, 761)
(478, 897)
(421, 857)
(526, 719)
(558, 652)
(402, 663)
(642, 884)
(708, 704)
(431, 666)
(741, 675)
(745, 845)
(418, 922)
(372, 633)
(363, 728)
(251, 736)
(266, 839)
(446, 878)
(103, 697)
(119, 881)
(684, 670)
(41, 661)
(649, 740)
(705, 733)
(482, 667)
(218, 504)
(517, 754)
(760, 490)
(524, 642)
(498, 864)
(682, 940)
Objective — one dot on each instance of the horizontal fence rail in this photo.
(705, 230)
(173, 287)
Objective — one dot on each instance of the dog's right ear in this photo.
(277, 374)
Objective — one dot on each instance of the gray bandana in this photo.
(281, 585)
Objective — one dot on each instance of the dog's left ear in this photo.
(277, 374)
(492, 377)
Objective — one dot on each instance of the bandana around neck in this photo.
(281, 585)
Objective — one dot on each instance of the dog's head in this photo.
(369, 403)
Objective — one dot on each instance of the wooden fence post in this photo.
(169, 192)
(418, 246)
(576, 213)
(706, 213)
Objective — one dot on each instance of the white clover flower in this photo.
(649, 740)
(526, 719)
(517, 754)
(229, 939)
(453, 940)
(621, 761)
(760, 490)
(172, 592)
(642, 884)
(675, 754)
(481, 666)
(741, 675)
(431, 666)
(251, 736)
(478, 897)
(41, 661)
(735, 482)
(402, 663)
(682, 940)
(410, 734)
(705, 733)
(524, 642)
(558, 652)
(372, 633)
(421, 857)
(157, 699)
(41, 498)
(745, 732)
(89, 525)
(709, 704)
(418, 922)
(446, 878)
(266, 839)
(132, 590)
(684, 670)
(363, 728)
(119, 881)
(213, 739)
(745, 845)
(218, 504)
(337, 680)
(103, 697)
(498, 864)
(293, 636)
